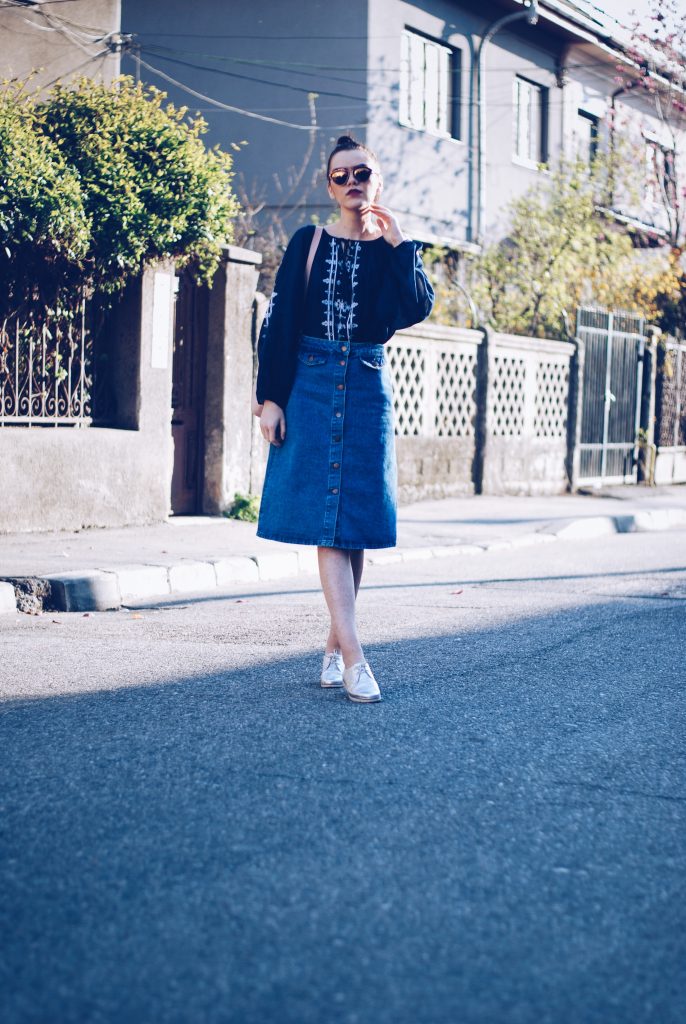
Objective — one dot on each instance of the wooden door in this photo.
(188, 396)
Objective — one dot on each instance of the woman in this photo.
(324, 398)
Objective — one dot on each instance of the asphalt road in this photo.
(193, 831)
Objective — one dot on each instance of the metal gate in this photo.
(613, 373)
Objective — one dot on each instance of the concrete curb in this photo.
(102, 589)
(8, 599)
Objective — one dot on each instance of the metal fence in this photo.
(613, 366)
(670, 399)
(46, 371)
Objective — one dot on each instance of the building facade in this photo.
(59, 42)
(463, 101)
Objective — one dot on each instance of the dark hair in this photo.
(347, 142)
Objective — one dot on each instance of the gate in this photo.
(188, 395)
(613, 372)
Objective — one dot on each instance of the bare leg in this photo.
(357, 564)
(339, 585)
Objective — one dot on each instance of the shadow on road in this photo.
(500, 840)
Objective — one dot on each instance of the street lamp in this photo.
(478, 135)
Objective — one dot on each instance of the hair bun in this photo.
(345, 140)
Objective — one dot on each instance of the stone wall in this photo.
(68, 478)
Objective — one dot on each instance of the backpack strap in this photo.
(310, 256)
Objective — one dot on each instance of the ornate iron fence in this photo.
(46, 371)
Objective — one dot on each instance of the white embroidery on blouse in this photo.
(351, 324)
(339, 313)
(268, 314)
(330, 290)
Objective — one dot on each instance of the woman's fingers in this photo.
(274, 431)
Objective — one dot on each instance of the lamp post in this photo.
(478, 135)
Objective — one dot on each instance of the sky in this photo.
(620, 9)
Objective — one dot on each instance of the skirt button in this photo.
(334, 490)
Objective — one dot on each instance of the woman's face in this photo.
(354, 194)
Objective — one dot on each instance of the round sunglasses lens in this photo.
(362, 174)
(339, 177)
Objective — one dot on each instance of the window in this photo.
(586, 137)
(429, 85)
(660, 175)
(531, 109)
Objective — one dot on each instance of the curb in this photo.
(110, 589)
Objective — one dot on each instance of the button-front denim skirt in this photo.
(333, 482)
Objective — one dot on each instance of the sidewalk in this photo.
(98, 569)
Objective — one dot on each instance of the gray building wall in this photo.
(427, 176)
(264, 57)
(59, 41)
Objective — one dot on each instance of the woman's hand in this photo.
(273, 423)
(388, 222)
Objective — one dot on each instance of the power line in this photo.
(240, 110)
(72, 71)
(251, 78)
(295, 67)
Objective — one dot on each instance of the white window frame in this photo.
(593, 122)
(656, 154)
(426, 68)
(530, 100)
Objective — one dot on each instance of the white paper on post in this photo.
(162, 300)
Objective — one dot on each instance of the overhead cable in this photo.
(240, 110)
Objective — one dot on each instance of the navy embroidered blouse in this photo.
(358, 291)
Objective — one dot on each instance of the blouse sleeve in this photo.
(407, 296)
(277, 345)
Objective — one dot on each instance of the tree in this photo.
(658, 72)
(559, 253)
(658, 53)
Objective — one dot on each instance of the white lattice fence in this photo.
(552, 399)
(434, 381)
(529, 392)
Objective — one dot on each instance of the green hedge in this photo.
(95, 181)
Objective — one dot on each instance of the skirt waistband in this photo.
(325, 345)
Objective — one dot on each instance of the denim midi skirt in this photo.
(333, 482)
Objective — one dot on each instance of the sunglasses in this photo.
(360, 173)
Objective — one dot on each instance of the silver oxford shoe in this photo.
(332, 670)
(360, 684)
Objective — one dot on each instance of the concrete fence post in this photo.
(228, 419)
(485, 368)
(646, 444)
(259, 448)
(575, 410)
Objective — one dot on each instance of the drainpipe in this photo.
(530, 12)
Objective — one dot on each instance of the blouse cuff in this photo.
(404, 258)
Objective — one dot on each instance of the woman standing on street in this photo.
(324, 394)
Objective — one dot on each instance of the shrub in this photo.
(44, 227)
(98, 180)
(245, 507)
